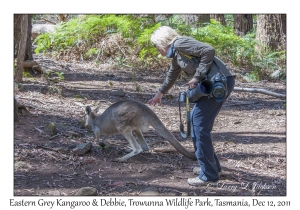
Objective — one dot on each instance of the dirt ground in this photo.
(249, 137)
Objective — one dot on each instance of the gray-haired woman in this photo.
(198, 60)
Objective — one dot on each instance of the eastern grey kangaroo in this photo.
(129, 116)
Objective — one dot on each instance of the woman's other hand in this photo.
(192, 83)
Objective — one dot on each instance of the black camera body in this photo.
(216, 87)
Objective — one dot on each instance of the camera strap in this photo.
(188, 119)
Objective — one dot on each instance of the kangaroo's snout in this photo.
(87, 122)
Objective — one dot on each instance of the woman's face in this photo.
(162, 51)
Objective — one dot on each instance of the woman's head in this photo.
(163, 37)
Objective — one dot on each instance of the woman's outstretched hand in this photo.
(156, 99)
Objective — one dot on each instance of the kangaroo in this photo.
(128, 117)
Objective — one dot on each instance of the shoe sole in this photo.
(220, 174)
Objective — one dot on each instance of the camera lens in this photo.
(219, 91)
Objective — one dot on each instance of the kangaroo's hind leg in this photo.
(136, 148)
(141, 140)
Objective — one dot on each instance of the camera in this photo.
(216, 87)
(182, 96)
(219, 88)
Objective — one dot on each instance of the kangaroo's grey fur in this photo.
(126, 117)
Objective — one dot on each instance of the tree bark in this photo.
(271, 31)
(17, 37)
(196, 20)
(16, 110)
(63, 18)
(28, 54)
(17, 34)
(22, 48)
(283, 20)
(243, 23)
(218, 17)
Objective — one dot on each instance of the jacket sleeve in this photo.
(204, 52)
(171, 77)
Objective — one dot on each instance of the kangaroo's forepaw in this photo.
(102, 145)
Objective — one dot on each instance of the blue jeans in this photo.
(203, 117)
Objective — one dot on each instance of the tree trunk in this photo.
(17, 37)
(28, 53)
(219, 18)
(17, 34)
(22, 48)
(283, 19)
(196, 20)
(271, 31)
(203, 19)
(16, 110)
(151, 17)
(243, 23)
(63, 18)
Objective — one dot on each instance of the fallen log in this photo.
(262, 91)
(29, 64)
(33, 64)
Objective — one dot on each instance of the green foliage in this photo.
(43, 42)
(144, 41)
(269, 60)
(133, 79)
(88, 29)
(120, 61)
(169, 96)
(60, 75)
(229, 20)
(238, 50)
(138, 88)
(252, 77)
(26, 74)
(86, 34)
(92, 52)
(78, 96)
(54, 77)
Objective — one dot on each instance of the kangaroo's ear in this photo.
(97, 109)
(88, 110)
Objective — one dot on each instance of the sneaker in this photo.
(198, 182)
(197, 170)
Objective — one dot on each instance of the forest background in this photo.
(253, 45)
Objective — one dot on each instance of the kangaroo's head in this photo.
(90, 116)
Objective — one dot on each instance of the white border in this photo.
(153, 6)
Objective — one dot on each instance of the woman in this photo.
(198, 60)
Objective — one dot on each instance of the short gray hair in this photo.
(163, 36)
